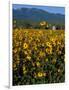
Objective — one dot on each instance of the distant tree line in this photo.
(41, 25)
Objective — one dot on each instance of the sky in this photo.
(51, 9)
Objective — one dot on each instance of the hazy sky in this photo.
(51, 9)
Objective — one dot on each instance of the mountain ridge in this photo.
(38, 15)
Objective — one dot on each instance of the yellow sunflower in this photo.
(25, 46)
(49, 50)
(39, 74)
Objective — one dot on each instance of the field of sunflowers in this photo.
(38, 56)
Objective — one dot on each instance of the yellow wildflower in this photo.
(25, 45)
(40, 74)
(48, 44)
(49, 50)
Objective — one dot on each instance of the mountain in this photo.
(37, 15)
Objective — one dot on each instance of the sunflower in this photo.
(25, 46)
(49, 50)
(39, 74)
